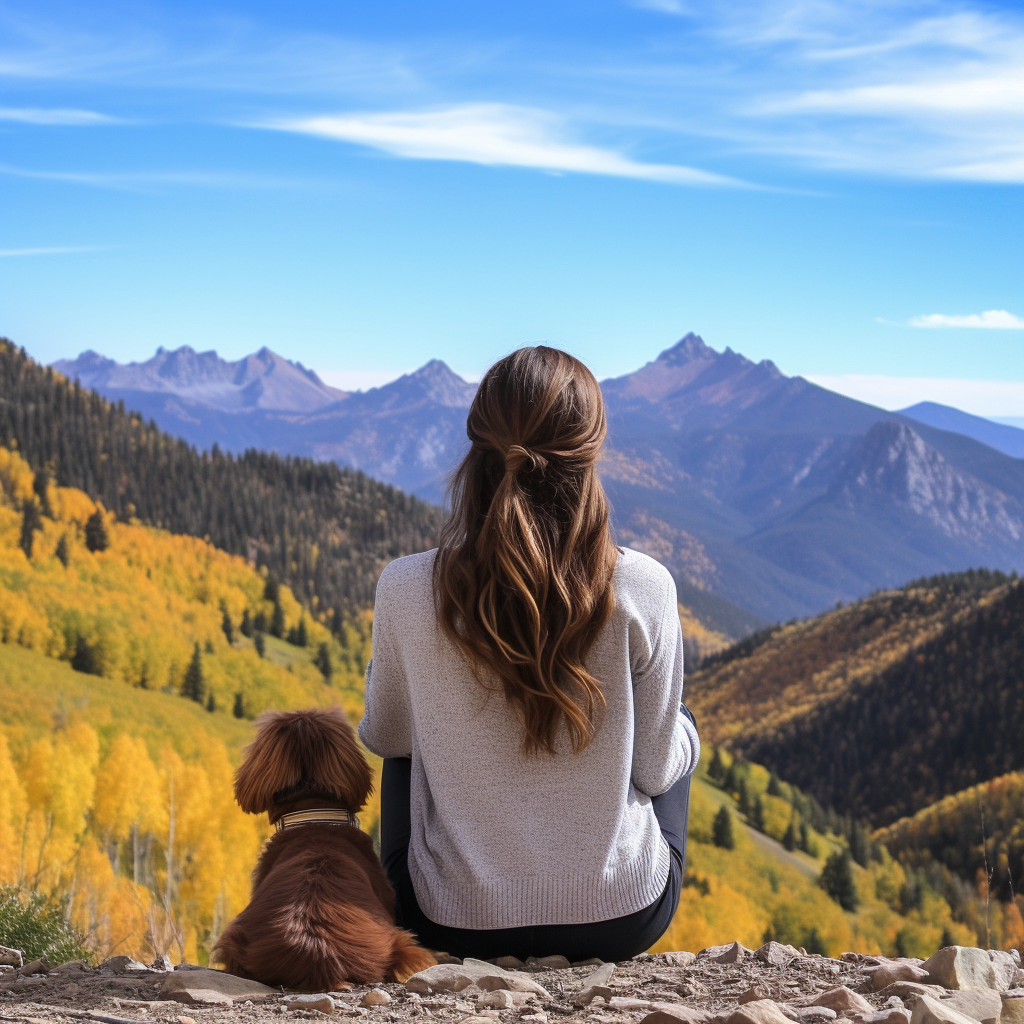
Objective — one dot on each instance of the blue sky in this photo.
(834, 186)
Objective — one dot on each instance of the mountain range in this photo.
(767, 496)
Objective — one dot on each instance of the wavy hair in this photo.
(522, 576)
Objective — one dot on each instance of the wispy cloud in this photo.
(493, 134)
(991, 319)
(981, 397)
(142, 181)
(50, 250)
(71, 118)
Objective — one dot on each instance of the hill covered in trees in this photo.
(324, 531)
(884, 707)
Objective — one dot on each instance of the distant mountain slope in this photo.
(327, 532)
(263, 380)
(884, 707)
(758, 490)
(1003, 437)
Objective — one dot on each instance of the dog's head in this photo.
(312, 752)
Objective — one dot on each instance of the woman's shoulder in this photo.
(408, 573)
(642, 580)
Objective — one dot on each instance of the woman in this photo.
(525, 691)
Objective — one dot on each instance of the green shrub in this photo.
(38, 925)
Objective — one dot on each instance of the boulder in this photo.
(678, 958)
(602, 976)
(961, 967)
(595, 985)
(320, 1001)
(548, 963)
(841, 1000)
(938, 1011)
(162, 963)
(674, 1013)
(38, 966)
(911, 990)
(11, 957)
(375, 997)
(761, 1011)
(183, 986)
(755, 993)
(507, 963)
(194, 996)
(72, 967)
(776, 954)
(1013, 1007)
(889, 1015)
(809, 1012)
(896, 970)
(1006, 968)
(122, 965)
(730, 953)
(501, 999)
(456, 977)
(984, 1006)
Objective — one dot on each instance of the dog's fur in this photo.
(322, 911)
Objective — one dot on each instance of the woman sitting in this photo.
(526, 692)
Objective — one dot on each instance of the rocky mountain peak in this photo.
(690, 347)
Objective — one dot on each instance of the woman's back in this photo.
(503, 838)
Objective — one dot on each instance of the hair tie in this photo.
(517, 457)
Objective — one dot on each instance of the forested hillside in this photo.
(326, 532)
(886, 706)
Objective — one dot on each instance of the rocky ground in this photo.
(775, 984)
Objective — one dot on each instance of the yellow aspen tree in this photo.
(13, 808)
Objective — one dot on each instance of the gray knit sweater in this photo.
(500, 840)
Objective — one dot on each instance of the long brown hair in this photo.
(522, 577)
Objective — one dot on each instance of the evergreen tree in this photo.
(860, 844)
(260, 643)
(756, 816)
(239, 708)
(337, 623)
(84, 659)
(272, 588)
(807, 844)
(63, 550)
(774, 788)
(837, 880)
(211, 704)
(814, 943)
(730, 778)
(96, 538)
(194, 685)
(227, 625)
(277, 621)
(789, 838)
(721, 829)
(30, 522)
(246, 628)
(716, 769)
(743, 798)
(302, 636)
(259, 624)
(323, 662)
(41, 486)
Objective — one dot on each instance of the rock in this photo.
(776, 954)
(39, 966)
(677, 958)
(509, 963)
(500, 999)
(548, 963)
(839, 999)
(320, 1001)
(896, 970)
(375, 997)
(122, 965)
(890, 1015)
(446, 958)
(456, 977)
(162, 963)
(1005, 967)
(730, 953)
(961, 967)
(938, 1011)
(809, 1012)
(195, 996)
(1013, 1007)
(602, 976)
(984, 1006)
(911, 990)
(181, 983)
(761, 1011)
(586, 996)
(673, 1013)
(11, 957)
(755, 993)
(72, 967)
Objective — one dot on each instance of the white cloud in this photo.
(982, 397)
(992, 319)
(144, 180)
(494, 134)
(72, 118)
(663, 6)
(50, 250)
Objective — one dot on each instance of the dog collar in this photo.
(316, 816)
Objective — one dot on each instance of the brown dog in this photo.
(322, 911)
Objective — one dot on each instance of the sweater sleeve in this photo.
(386, 727)
(665, 743)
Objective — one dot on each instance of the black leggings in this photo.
(617, 939)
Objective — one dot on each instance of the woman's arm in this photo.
(665, 742)
(386, 728)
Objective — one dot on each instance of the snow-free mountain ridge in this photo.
(767, 496)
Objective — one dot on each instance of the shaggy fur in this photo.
(322, 910)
